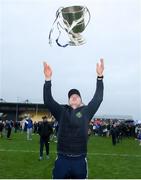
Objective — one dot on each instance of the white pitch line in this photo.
(15, 150)
(121, 155)
(91, 154)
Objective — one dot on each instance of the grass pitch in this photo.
(19, 158)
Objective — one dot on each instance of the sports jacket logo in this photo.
(79, 115)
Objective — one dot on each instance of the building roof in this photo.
(120, 117)
(12, 106)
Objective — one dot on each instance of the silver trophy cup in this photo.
(72, 21)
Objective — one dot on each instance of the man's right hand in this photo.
(47, 71)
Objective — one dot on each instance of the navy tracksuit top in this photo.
(73, 123)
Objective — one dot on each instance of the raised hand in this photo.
(100, 67)
(47, 71)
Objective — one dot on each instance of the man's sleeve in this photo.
(54, 107)
(94, 104)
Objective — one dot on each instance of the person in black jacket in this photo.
(73, 122)
(9, 125)
(1, 128)
(114, 134)
(44, 131)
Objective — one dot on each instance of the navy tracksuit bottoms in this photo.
(44, 141)
(67, 167)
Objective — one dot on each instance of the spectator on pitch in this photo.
(16, 126)
(35, 127)
(8, 128)
(44, 131)
(55, 131)
(29, 125)
(113, 132)
(1, 128)
(139, 136)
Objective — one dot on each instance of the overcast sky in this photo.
(113, 33)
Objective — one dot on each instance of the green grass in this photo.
(19, 159)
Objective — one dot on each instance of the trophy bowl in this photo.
(74, 13)
(72, 20)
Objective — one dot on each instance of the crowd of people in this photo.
(97, 127)
(48, 131)
(25, 125)
(117, 129)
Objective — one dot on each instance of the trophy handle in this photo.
(87, 11)
(59, 14)
(58, 11)
(51, 31)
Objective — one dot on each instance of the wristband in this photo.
(100, 77)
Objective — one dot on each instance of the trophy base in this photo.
(76, 40)
(78, 43)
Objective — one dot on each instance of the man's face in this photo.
(75, 100)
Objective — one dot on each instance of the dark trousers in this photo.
(44, 141)
(113, 139)
(8, 132)
(70, 167)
